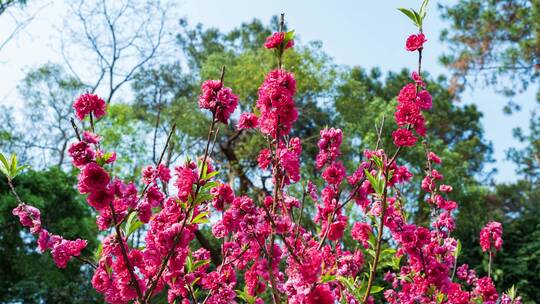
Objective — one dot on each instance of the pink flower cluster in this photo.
(415, 42)
(276, 41)
(491, 236)
(88, 104)
(218, 99)
(62, 250)
(412, 99)
(276, 103)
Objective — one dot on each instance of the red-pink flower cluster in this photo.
(218, 99)
(412, 99)
(276, 103)
(247, 121)
(415, 42)
(491, 236)
(276, 40)
(62, 250)
(88, 104)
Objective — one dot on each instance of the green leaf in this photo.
(410, 14)
(418, 18)
(328, 278)
(4, 166)
(458, 249)
(373, 181)
(138, 224)
(201, 218)
(199, 264)
(422, 11)
(288, 37)
(97, 254)
(210, 175)
(13, 167)
(376, 289)
(129, 221)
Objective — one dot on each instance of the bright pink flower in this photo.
(424, 100)
(93, 178)
(90, 137)
(417, 79)
(218, 99)
(336, 230)
(276, 103)
(276, 41)
(28, 216)
(334, 173)
(81, 153)
(415, 42)
(361, 232)
(223, 196)
(186, 178)
(321, 295)
(407, 93)
(89, 103)
(403, 138)
(434, 158)
(491, 235)
(63, 250)
(329, 144)
(486, 289)
(247, 121)
(100, 199)
(264, 159)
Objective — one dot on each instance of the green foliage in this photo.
(416, 17)
(496, 39)
(31, 277)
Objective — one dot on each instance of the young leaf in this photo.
(422, 11)
(376, 289)
(288, 37)
(409, 14)
(201, 218)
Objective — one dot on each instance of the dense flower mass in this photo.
(276, 103)
(218, 99)
(88, 104)
(261, 246)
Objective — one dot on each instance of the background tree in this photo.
(495, 39)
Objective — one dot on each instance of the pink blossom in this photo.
(361, 233)
(81, 153)
(218, 99)
(415, 42)
(63, 250)
(93, 178)
(403, 138)
(29, 216)
(491, 235)
(89, 104)
(276, 41)
(247, 121)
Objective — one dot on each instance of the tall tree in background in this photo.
(495, 39)
(498, 41)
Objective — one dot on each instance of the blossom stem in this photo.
(74, 125)
(490, 261)
(129, 267)
(373, 269)
(165, 261)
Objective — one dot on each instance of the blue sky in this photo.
(365, 33)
